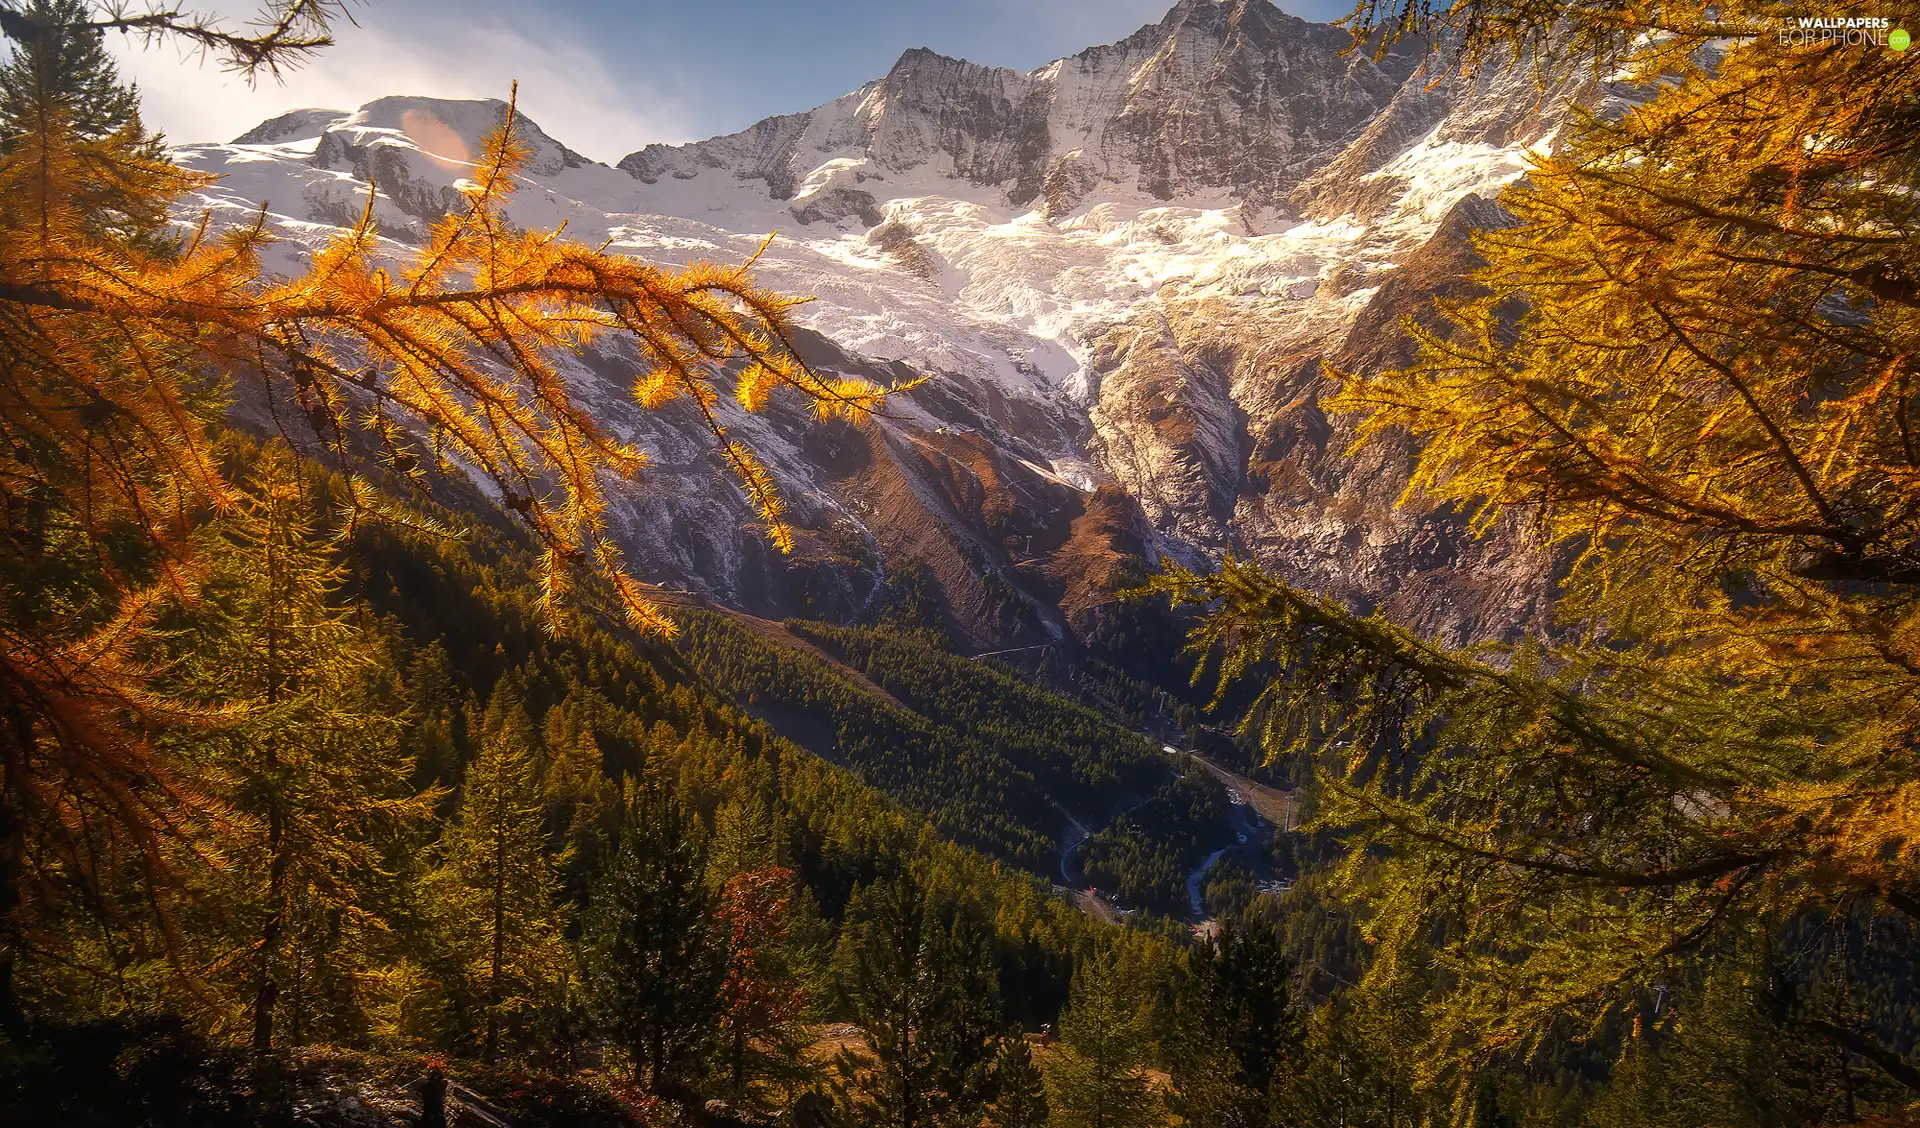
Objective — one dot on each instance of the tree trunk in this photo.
(14, 750)
(299, 995)
(433, 1099)
(266, 991)
(499, 921)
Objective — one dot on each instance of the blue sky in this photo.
(606, 76)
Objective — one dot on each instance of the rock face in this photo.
(1125, 272)
(1237, 97)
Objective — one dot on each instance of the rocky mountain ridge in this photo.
(1124, 271)
(1240, 98)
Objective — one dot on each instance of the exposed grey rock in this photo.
(897, 241)
(1237, 97)
(838, 203)
(295, 125)
(1194, 425)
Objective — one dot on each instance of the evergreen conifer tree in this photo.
(583, 806)
(743, 837)
(1096, 1076)
(60, 66)
(435, 740)
(60, 77)
(923, 990)
(310, 760)
(495, 872)
(658, 960)
(1236, 1026)
(1019, 1094)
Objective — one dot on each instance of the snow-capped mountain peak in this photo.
(1122, 267)
(1231, 98)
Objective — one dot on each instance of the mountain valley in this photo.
(1121, 274)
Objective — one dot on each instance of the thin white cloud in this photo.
(564, 86)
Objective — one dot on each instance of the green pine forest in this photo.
(349, 777)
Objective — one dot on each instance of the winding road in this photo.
(1254, 808)
(1074, 885)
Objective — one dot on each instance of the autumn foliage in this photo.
(121, 345)
(1690, 378)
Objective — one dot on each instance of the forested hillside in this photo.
(1145, 853)
(318, 792)
(451, 890)
(995, 762)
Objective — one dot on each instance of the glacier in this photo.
(1124, 271)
